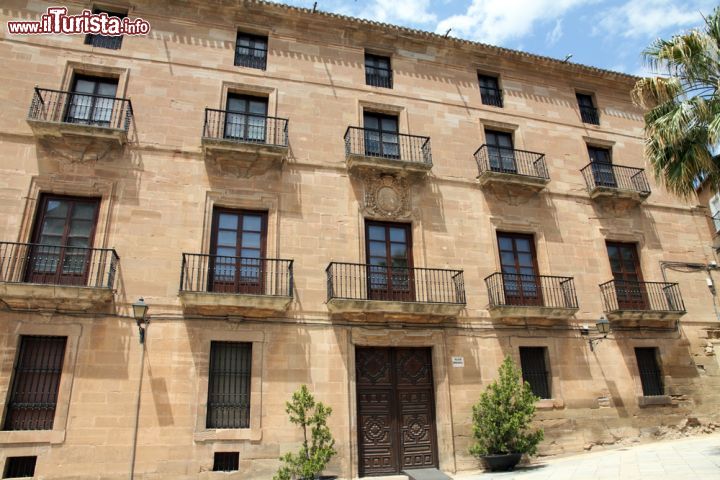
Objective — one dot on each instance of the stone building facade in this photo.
(380, 213)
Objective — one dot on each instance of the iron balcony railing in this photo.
(245, 127)
(378, 77)
(357, 281)
(509, 289)
(590, 115)
(250, 57)
(608, 175)
(393, 146)
(620, 295)
(508, 160)
(58, 265)
(211, 273)
(491, 96)
(81, 108)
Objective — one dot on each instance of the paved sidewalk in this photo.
(686, 459)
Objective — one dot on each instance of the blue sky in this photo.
(604, 33)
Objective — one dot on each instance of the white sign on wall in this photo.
(458, 362)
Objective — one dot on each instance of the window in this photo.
(601, 166)
(105, 41)
(238, 251)
(246, 118)
(226, 462)
(251, 51)
(381, 135)
(91, 101)
(715, 211)
(228, 403)
(61, 252)
(625, 265)
(490, 92)
(500, 151)
(534, 370)
(518, 263)
(588, 112)
(19, 467)
(36, 380)
(389, 258)
(377, 71)
(649, 367)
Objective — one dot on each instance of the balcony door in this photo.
(625, 266)
(518, 263)
(62, 240)
(246, 118)
(389, 253)
(602, 169)
(91, 101)
(381, 135)
(238, 251)
(501, 152)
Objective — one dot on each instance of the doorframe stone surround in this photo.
(383, 337)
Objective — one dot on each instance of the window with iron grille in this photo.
(377, 71)
(588, 112)
(650, 374)
(19, 467)
(490, 92)
(226, 462)
(534, 370)
(229, 385)
(35, 384)
(105, 41)
(251, 51)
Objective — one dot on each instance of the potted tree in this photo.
(317, 450)
(501, 421)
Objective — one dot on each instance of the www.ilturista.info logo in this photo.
(57, 21)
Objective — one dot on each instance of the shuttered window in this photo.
(534, 370)
(650, 375)
(35, 384)
(229, 385)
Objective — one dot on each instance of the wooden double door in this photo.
(396, 410)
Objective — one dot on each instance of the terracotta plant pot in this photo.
(502, 463)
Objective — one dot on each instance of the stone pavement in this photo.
(687, 458)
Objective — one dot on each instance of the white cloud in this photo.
(496, 21)
(648, 18)
(555, 34)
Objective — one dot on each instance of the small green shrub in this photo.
(316, 451)
(502, 417)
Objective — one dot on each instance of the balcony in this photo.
(539, 299)
(379, 77)
(507, 166)
(491, 96)
(221, 285)
(245, 142)
(63, 278)
(590, 115)
(354, 288)
(606, 180)
(638, 304)
(387, 152)
(55, 113)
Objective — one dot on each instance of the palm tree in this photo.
(682, 119)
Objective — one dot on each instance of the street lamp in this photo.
(140, 309)
(603, 328)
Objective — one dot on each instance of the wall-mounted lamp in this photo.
(140, 309)
(603, 328)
